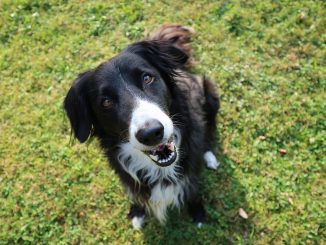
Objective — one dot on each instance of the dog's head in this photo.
(128, 99)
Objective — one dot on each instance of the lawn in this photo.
(269, 61)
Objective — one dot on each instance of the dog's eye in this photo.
(147, 79)
(106, 103)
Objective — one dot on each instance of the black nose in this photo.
(151, 134)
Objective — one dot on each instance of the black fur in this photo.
(191, 102)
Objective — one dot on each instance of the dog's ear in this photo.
(162, 54)
(77, 108)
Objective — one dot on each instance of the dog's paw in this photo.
(137, 222)
(199, 225)
(211, 160)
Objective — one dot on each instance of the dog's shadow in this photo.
(223, 196)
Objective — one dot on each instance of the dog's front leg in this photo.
(137, 216)
(196, 211)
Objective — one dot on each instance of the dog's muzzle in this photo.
(152, 132)
(164, 154)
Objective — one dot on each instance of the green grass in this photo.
(268, 58)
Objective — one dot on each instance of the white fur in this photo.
(164, 196)
(144, 112)
(161, 198)
(137, 222)
(211, 160)
(133, 160)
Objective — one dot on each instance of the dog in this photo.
(155, 121)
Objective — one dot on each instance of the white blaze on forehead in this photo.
(144, 112)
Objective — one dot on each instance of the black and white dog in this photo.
(154, 120)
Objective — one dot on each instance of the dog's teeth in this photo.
(164, 160)
(155, 158)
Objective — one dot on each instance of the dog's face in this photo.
(128, 98)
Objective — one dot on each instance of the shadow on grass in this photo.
(223, 195)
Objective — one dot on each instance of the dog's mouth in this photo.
(164, 154)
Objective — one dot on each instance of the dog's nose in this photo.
(151, 134)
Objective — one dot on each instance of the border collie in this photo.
(154, 120)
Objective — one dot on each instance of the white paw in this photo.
(199, 225)
(211, 160)
(137, 222)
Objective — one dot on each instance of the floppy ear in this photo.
(77, 109)
(163, 55)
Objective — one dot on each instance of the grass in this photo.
(268, 58)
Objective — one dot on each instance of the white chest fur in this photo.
(162, 196)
